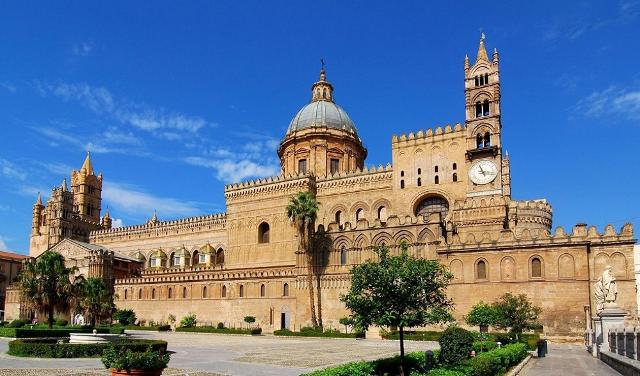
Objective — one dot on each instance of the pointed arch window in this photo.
(402, 184)
(485, 108)
(343, 256)
(481, 270)
(436, 180)
(478, 109)
(487, 139)
(263, 233)
(169, 293)
(241, 291)
(125, 294)
(204, 292)
(419, 182)
(223, 292)
(477, 81)
(184, 293)
(220, 256)
(263, 290)
(359, 214)
(455, 177)
(140, 294)
(536, 267)
(382, 214)
(338, 218)
(285, 290)
(153, 293)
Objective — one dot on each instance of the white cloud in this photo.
(132, 200)
(33, 191)
(9, 170)
(117, 222)
(82, 49)
(229, 170)
(56, 167)
(109, 142)
(9, 87)
(611, 101)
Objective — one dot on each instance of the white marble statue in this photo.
(606, 290)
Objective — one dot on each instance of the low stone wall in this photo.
(622, 364)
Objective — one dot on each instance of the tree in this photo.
(482, 315)
(46, 286)
(399, 291)
(303, 210)
(516, 312)
(95, 300)
(125, 316)
(346, 321)
(249, 319)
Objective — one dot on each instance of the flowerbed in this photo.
(54, 348)
(490, 363)
(213, 329)
(317, 333)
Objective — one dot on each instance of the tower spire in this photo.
(64, 185)
(87, 167)
(322, 90)
(482, 52)
(39, 200)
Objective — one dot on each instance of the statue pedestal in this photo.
(611, 317)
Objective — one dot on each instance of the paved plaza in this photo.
(210, 354)
(567, 360)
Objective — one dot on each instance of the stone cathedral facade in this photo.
(447, 194)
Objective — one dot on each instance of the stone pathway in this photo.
(567, 360)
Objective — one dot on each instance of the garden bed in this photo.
(213, 329)
(55, 348)
(528, 338)
(306, 332)
(61, 332)
(155, 328)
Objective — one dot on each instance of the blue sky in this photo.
(176, 99)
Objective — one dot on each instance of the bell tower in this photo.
(87, 191)
(484, 126)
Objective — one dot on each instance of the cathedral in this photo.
(446, 194)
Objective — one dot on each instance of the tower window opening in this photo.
(302, 166)
(153, 294)
(536, 268)
(455, 177)
(419, 171)
(481, 270)
(419, 182)
(435, 169)
(241, 291)
(343, 256)
(478, 109)
(324, 93)
(338, 218)
(359, 214)
(382, 214)
(487, 139)
(485, 108)
(223, 292)
(477, 81)
(285, 290)
(140, 294)
(401, 173)
(184, 293)
(204, 292)
(455, 166)
(263, 290)
(401, 184)
(170, 293)
(437, 180)
(263, 233)
(334, 166)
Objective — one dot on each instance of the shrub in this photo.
(17, 323)
(125, 316)
(171, 318)
(164, 328)
(61, 322)
(413, 335)
(311, 332)
(249, 319)
(456, 345)
(124, 359)
(350, 369)
(497, 361)
(212, 329)
(440, 372)
(220, 325)
(482, 346)
(51, 348)
(189, 321)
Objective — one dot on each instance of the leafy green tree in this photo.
(302, 210)
(125, 316)
(46, 286)
(346, 321)
(516, 312)
(482, 315)
(249, 319)
(95, 300)
(398, 291)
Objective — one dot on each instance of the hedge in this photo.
(317, 333)
(497, 361)
(50, 348)
(413, 335)
(213, 329)
(505, 338)
(54, 333)
(157, 328)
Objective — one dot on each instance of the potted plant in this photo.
(129, 363)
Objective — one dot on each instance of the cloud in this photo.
(3, 245)
(9, 170)
(9, 87)
(82, 49)
(33, 191)
(110, 141)
(117, 222)
(56, 167)
(611, 101)
(229, 170)
(132, 200)
(159, 121)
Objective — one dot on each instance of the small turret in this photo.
(106, 221)
(322, 90)
(466, 63)
(37, 216)
(63, 186)
(154, 219)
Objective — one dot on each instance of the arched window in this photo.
(419, 171)
(220, 256)
(401, 184)
(125, 294)
(359, 214)
(263, 290)
(401, 173)
(223, 292)
(338, 218)
(195, 259)
(343, 256)
(478, 141)
(455, 166)
(487, 139)
(170, 293)
(481, 270)
(485, 108)
(436, 180)
(433, 204)
(176, 260)
(435, 169)
(263, 233)
(153, 293)
(285, 290)
(478, 109)
(140, 294)
(477, 81)
(382, 213)
(486, 78)
(302, 166)
(324, 93)
(204, 292)
(419, 182)
(241, 291)
(184, 293)
(455, 177)
(536, 267)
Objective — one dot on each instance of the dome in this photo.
(322, 113)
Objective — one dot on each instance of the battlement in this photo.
(431, 134)
(359, 172)
(540, 204)
(264, 181)
(192, 274)
(269, 187)
(212, 221)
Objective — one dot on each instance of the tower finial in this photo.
(39, 200)
(482, 52)
(64, 185)
(322, 90)
(87, 167)
(323, 76)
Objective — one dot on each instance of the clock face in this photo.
(483, 172)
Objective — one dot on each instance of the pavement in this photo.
(204, 354)
(567, 360)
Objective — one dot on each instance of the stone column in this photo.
(609, 318)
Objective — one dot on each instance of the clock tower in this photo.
(488, 170)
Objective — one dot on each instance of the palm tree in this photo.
(303, 210)
(45, 284)
(95, 300)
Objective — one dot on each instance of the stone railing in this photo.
(625, 342)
